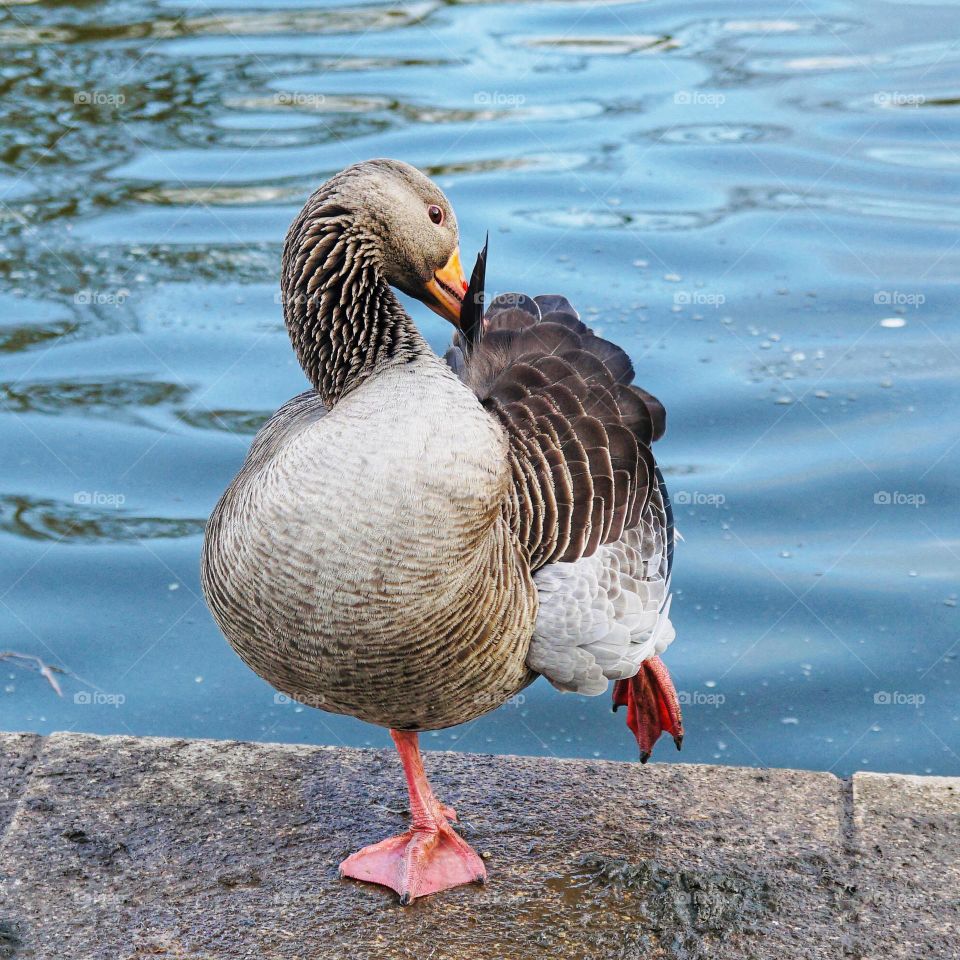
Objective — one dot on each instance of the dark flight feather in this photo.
(579, 430)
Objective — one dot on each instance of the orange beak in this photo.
(447, 289)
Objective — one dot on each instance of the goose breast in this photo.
(361, 561)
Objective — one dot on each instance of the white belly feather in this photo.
(601, 616)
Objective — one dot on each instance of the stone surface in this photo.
(907, 832)
(18, 753)
(135, 848)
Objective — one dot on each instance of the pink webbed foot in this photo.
(652, 705)
(417, 863)
(426, 859)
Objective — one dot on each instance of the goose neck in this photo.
(344, 321)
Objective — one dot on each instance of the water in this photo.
(762, 210)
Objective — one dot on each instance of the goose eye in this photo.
(435, 214)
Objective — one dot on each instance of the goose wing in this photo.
(588, 505)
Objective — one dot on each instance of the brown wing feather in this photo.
(579, 431)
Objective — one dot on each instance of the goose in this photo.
(416, 538)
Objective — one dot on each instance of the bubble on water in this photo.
(893, 323)
(672, 277)
(789, 721)
(710, 683)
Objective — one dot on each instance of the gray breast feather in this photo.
(295, 415)
(601, 616)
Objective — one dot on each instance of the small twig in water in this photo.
(45, 670)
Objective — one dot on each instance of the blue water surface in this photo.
(761, 207)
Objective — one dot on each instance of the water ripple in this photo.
(114, 397)
(745, 200)
(365, 18)
(66, 523)
(605, 46)
(760, 208)
(717, 133)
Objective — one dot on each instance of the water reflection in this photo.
(116, 398)
(80, 523)
(239, 422)
(761, 209)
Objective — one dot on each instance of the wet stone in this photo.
(132, 848)
(908, 864)
(18, 753)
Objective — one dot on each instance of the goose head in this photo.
(372, 228)
(388, 218)
(418, 231)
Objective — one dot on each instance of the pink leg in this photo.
(652, 705)
(430, 856)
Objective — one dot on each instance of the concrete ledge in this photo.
(119, 847)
